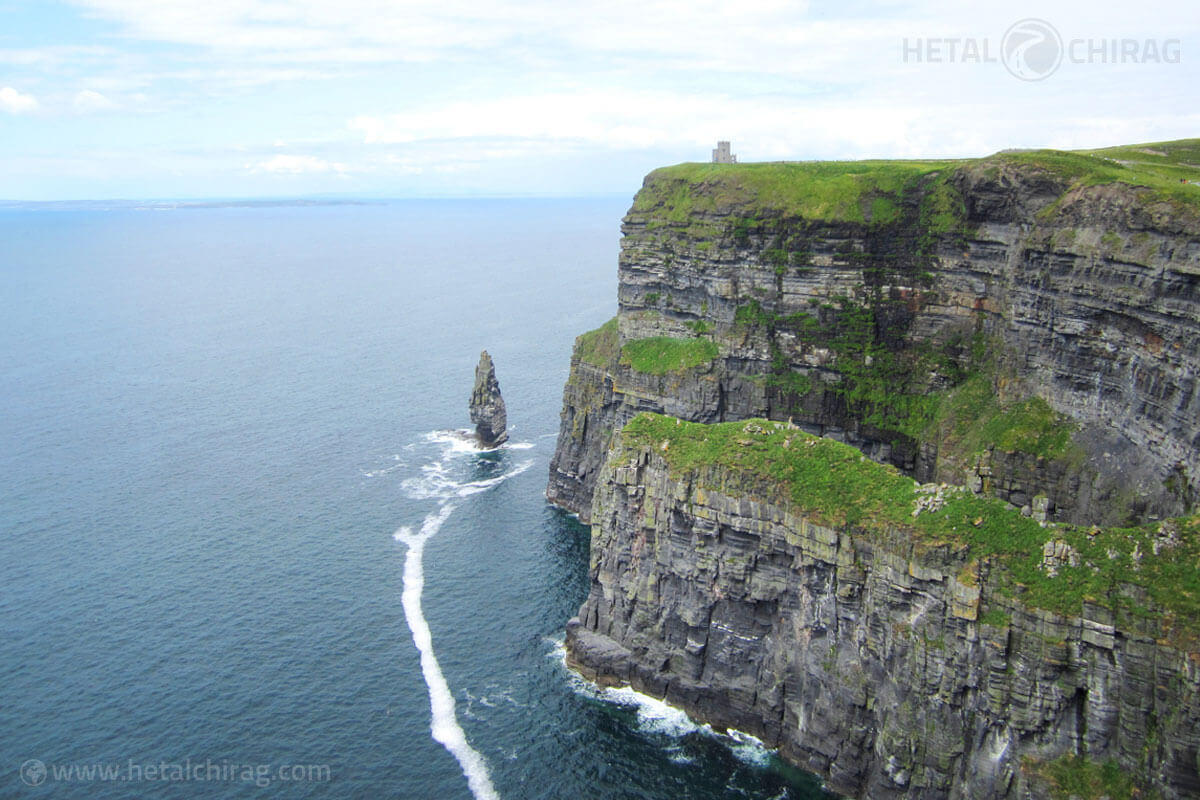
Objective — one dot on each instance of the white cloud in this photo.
(780, 127)
(53, 56)
(89, 101)
(753, 33)
(283, 164)
(534, 93)
(15, 102)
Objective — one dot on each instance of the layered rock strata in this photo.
(488, 413)
(1020, 334)
(893, 666)
(1083, 296)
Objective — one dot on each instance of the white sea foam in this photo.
(657, 716)
(679, 756)
(748, 748)
(397, 463)
(436, 482)
(445, 727)
(653, 715)
(462, 441)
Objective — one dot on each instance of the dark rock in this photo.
(1095, 308)
(854, 654)
(860, 654)
(487, 406)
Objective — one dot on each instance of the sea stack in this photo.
(487, 406)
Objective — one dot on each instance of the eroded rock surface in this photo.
(1061, 315)
(487, 406)
(1086, 298)
(862, 656)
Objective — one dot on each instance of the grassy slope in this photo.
(824, 190)
(659, 355)
(841, 487)
(599, 347)
(1078, 777)
(870, 191)
(970, 417)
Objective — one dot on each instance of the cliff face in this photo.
(869, 303)
(894, 660)
(1019, 333)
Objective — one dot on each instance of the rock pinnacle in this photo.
(487, 406)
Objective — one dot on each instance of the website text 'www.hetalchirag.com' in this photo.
(35, 772)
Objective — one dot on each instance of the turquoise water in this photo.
(220, 437)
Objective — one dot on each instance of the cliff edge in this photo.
(1010, 345)
(1024, 324)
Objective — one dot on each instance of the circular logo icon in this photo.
(33, 772)
(1031, 49)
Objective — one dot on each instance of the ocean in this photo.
(242, 554)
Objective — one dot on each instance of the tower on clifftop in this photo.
(722, 155)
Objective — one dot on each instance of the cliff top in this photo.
(1129, 570)
(874, 190)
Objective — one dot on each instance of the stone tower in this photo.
(722, 155)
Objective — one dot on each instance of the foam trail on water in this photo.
(436, 483)
(445, 727)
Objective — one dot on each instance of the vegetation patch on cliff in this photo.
(881, 385)
(830, 191)
(887, 388)
(1146, 573)
(599, 347)
(659, 355)
(874, 192)
(1167, 169)
(1079, 777)
(972, 417)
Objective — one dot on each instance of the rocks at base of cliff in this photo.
(487, 406)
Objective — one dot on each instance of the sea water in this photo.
(243, 551)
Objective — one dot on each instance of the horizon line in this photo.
(294, 200)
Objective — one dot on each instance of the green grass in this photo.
(1181, 152)
(874, 191)
(995, 617)
(1078, 776)
(840, 487)
(880, 386)
(659, 355)
(1160, 167)
(599, 347)
(840, 191)
(1030, 426)
(943, 208)
(970, 418)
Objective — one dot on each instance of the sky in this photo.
(396, 98)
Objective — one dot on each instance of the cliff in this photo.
(902, 640)
(1024, 324)
(1018, 335)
